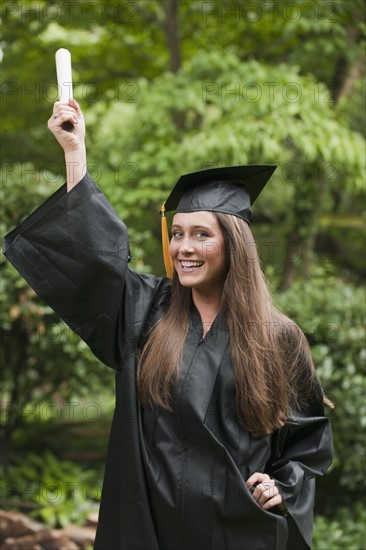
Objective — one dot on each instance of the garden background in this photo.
(169, 87)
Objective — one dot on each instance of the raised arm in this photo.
(72, 140)
(73, 251)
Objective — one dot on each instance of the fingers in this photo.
(63, 112)
(267, 495)
(67, 125)
(76, 106)
(264, 490)
(257, 477)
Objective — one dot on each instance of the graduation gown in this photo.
(173, 480)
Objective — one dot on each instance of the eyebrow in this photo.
(199, 226)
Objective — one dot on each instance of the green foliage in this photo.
(260, 82)
(60, 492)
(129, 41)
(219, 111)
(345, 530)
(252, 88)
(331, 312)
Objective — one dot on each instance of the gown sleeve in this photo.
(73, 251)
(301, 450)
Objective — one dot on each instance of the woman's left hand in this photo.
(265, 493)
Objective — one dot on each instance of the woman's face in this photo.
(197, 250)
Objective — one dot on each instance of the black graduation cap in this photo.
(231, 190)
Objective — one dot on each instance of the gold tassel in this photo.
(165, 242)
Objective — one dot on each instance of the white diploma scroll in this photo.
(64, 75)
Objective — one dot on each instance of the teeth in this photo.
(191, 264)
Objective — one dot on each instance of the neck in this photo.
(208, 307)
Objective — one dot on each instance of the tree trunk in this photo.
(351, 78)
(300, 241)
(289, 268)
(171, 8)
(346, 73)
(6, 438)
(15, 354)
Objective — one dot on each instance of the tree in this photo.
(231, 113)
(137, 39)
(171, 87)
(149, 39)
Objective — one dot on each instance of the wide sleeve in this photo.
(73, 251)
(301, 450)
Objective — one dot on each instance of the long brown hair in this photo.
(271, 359)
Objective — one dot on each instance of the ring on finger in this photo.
(55, 116)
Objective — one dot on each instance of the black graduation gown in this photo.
(173, 481)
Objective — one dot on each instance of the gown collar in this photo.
(196, 322)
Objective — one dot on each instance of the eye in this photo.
(176, 234)
(201, 234)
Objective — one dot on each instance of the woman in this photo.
(219, 430)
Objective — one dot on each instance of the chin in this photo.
(186, 284)
(188, 281)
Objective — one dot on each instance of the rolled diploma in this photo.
(64, 75)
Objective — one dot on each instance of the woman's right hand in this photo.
(71, 140)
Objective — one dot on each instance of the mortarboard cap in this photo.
(230, 190)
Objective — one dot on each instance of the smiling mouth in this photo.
(187, 265)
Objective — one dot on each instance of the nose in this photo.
(186, 246)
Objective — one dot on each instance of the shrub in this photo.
(331, 313)
(57, 492)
